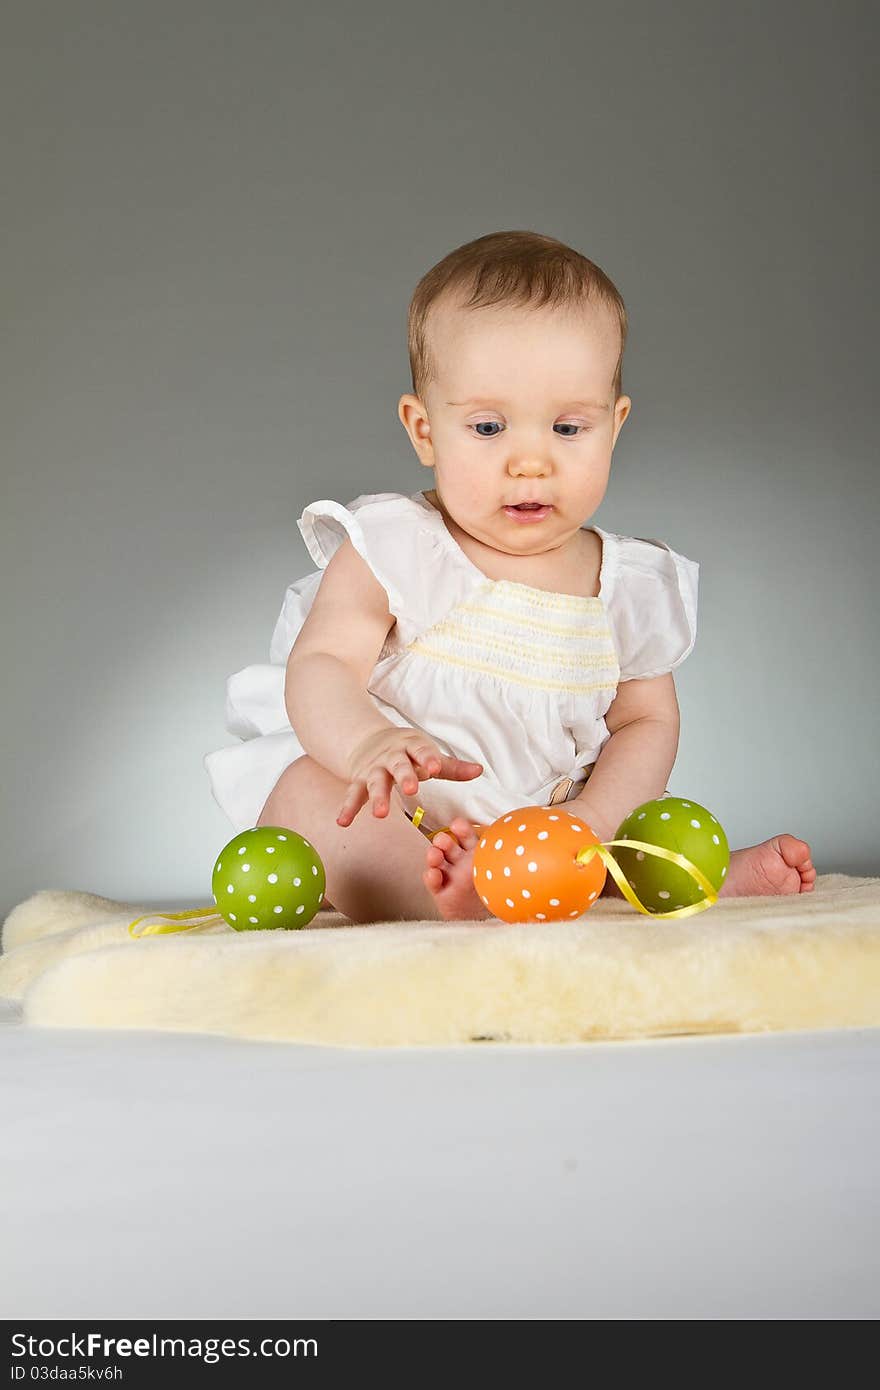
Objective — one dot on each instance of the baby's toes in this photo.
(464, 831)
(795, 852)
(433, 879)
(447, 846)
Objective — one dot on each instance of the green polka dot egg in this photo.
(672, 822)
(268, 877)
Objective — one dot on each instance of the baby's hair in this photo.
(516, 268)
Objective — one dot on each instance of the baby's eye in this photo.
(564, 426)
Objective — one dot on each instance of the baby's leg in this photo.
(374, 866)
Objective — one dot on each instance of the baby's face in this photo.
(522, 410)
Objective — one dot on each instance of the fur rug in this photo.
(746, 965)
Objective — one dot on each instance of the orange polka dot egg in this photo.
(525, 865)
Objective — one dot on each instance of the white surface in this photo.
(158, 1175)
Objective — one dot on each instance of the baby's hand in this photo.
(401, 756)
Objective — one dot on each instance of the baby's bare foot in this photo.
(779, 865)
(449, 874)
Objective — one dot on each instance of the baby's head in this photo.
(516, 350)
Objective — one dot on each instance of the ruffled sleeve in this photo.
(387, 531)
(652, 609)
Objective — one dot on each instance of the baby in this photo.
(481, 617)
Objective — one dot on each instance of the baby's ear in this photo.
(414, 418)
(622, 407)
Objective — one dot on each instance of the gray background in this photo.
(214, 217)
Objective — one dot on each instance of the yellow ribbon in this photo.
(417, 817)
(585, 855)
(157, 930)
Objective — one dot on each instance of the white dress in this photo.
(494, 671)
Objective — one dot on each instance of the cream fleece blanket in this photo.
(745, 965)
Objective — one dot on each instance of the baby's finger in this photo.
(459, 769)
(355, 797)
(379, 788)
(427, 758)
(438, 765)
(404, 775)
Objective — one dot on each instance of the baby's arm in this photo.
(636, 761)
(325, 689)
(330, 708)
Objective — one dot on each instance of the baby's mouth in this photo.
(535, 511)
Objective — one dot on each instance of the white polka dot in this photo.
(277, 909)
(520, 849)
(664, 815)
(253, 919)
(696, 825)
(321, 896)
(663, 893)
(554, 902)
(509, 902)
(229, 888)
(553, 818)
(540, 916)
(573, 914)
(300, 908)
(486, 901)
(591, 897)
(641, 817)
(532, 867)
(723, 872)
(506, 871)
(251, 898)
(482, 844)
(542, 834)
(715, 840)
(520, 828)
(305, 842)
(686, 803)
(270, 849)
(243, 849)
(273, 878)
(245, 868)
(488, 873)
(297, 882)
(677, 906)
(640, 854)
(507, 818)
(232, 917)
(498, 844)
(314, 869)
(218, 867)
(575, 826)
(526, 893)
